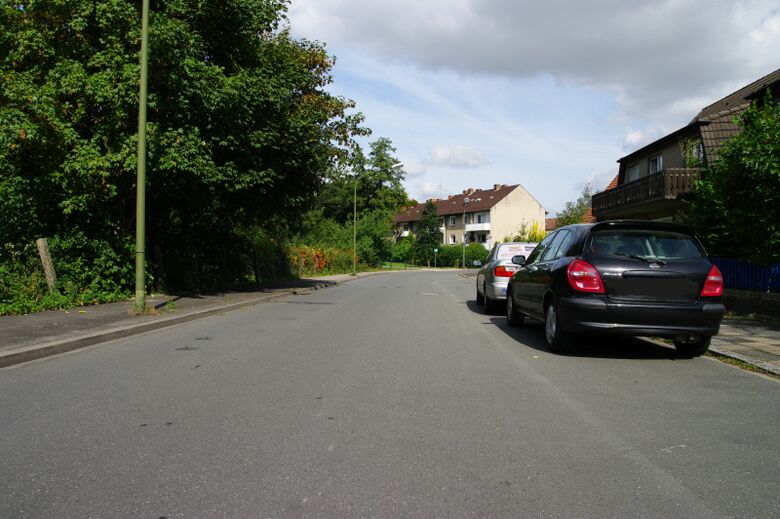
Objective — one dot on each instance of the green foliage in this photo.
(452, 255)
(241, 128)
(88, 271)
(534, 233)
(428, 232)
(372, 187)
(403, 251)
(735, 207)
(574, 212)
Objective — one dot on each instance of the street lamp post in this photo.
(354, 218)
(465, 203)
(140, 206)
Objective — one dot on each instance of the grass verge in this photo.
(741, 364)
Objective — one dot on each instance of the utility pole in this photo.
(140, 206)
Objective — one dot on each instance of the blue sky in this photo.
(545, 94)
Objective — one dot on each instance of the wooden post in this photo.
(48, 268)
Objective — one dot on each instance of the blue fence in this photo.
(742, 275)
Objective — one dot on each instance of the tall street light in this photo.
(140, 205)
(354, 218)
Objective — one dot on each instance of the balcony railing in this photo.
(666, 184)
(471, 227)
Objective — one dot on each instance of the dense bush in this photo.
(241, 128)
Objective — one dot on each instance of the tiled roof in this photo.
(614, 183)
(737, 98)
(479, 200)
(589, 218)
(720, 129)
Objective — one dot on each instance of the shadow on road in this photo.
(531, 335)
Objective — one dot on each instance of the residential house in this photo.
(485, 216)
(652, 181)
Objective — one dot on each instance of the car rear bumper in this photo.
(600, 315)
(497, 289)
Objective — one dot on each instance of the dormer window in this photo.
(655, 164)
(632, 172)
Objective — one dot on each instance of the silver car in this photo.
(494, 275)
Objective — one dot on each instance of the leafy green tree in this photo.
(735, 207)
(379, 184)
(428, 232)
(404, 250)
(241, 127)
(574, 212)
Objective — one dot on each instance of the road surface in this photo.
(390, 396)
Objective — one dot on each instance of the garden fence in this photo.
(741, 275)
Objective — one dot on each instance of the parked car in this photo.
(494, 275)
(630, 277)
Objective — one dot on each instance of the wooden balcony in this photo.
(639, 197)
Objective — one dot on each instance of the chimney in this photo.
(468, 191)
(496, 187)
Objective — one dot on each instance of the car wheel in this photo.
(480, 297)
(694, 348)
(558, 339)
(513, 317)
(489, 304)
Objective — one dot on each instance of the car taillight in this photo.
(713, 286)
(583, 277)
(503, 272)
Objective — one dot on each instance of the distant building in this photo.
(484, 216)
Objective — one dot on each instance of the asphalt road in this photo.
(390, 396)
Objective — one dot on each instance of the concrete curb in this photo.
(744, 358)
(29, 353)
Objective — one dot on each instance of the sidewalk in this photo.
(754, 342)
(28, 337)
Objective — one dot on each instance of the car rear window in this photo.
(644, 243)
(506, 252)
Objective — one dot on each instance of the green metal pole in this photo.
(354, 228)
(140, 206)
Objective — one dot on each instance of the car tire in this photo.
(558, 339)
(480, 297)
(693, 349)
(488, 304)
(513, 317)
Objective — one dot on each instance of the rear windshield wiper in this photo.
(643, 258)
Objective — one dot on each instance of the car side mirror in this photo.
(518, 260)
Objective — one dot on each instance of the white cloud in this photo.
(656, 52)
(414, 168)
(457, 156)
(637, 138)
(427, 190)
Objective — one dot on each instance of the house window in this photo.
(482, 238)
(698, 152)
(655, 164)
(632, 172)
(467, 218)
(452, 220)
(452, 239)
(479, 218)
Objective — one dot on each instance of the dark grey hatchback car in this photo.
(624, 277)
